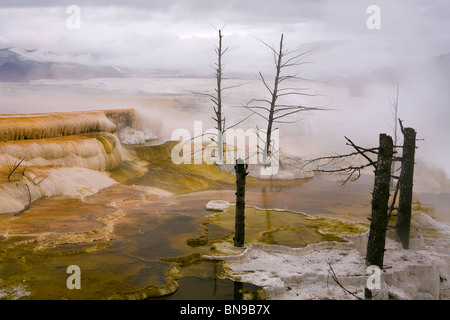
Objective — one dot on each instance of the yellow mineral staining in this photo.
(40, 126)
(151, 291)
(182, 178)
(92, 151)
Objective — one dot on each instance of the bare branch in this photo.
(15, 166)
(239, 122)
(401, 126)
(267, 45)
(295, 110)
(394, 199)
(297, 93)
(286, 114)
(257, 107)
(265, 118)
(29, 202)
(202, 94)
(294, 58)
(44, 178)
(234, 86)
(259, 100)
(265, 84)
(334, 277)
(351, 170)
(361, 152)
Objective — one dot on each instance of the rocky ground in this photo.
(336, 270)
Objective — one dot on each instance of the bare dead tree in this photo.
(380, 203)
(241, 173)
(218, 102)
(217, 98)
(402, 229)
(384, 175)
(14, 167)
(394, 111)
(380, 196)
(271, 109)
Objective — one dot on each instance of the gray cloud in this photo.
(179, 34)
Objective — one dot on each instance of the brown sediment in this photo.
(51, 222)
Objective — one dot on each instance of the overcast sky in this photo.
(180, 34)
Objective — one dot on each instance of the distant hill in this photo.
(434, 68)
(17, 67)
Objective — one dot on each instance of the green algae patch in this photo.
(206, 279)
(183, 261)
(105, 274)
(420, 224)
(128, 170)
(182, 178)
(279, 227)
(152, 291)
(334, 227)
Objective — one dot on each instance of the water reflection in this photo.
(196, 288)
(203, 281)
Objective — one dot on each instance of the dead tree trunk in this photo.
(267, 147)
(239, 227)
(273, 109)
(218, 111)
(380, 203)
(402, 229)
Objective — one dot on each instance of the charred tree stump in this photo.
(380, 203)
(238, 290)
(402, 229)
(239, 227)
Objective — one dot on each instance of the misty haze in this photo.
(94, 96)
